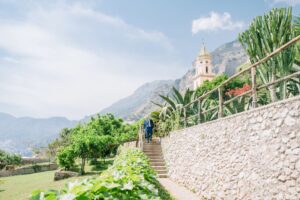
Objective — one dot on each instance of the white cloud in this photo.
(215, 21)
(288, 2)
(73, 61)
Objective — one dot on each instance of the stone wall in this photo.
(251, 155)
(129, 144)
(27, 161)
(29, 170)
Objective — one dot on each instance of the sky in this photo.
(74, 58)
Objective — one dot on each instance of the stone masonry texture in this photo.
(250, 155)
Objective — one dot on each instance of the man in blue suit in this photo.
(148, 127)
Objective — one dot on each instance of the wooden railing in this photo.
(252, 93)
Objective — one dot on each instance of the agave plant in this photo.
(176, 101)
(172, 109)
(265, 34)
(206, 104)
(238, 105)
(293, 85)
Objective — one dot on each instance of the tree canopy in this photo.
(95, 139)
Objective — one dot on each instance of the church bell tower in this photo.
(203, 67)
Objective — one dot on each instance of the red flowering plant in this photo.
(239, 104)
(238, 91)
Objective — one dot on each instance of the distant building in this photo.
(203, 66)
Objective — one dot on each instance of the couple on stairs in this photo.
(148, 129)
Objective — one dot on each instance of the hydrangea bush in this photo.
(130, 177)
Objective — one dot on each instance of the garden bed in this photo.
(130, 176)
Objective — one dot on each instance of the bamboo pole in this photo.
(254, 91)
(192, 116)
(280, 80)
(199, 111)
(185, 119)
(236, 97)
(211, 109)
(220, 114)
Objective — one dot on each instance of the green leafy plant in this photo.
(171, 110)
(130, 177)
(265, 34)
(98, 138)
(66, 158)
(9, 159)
(36, 168)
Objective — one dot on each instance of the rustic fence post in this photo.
(184, 115)
(254, 91)
(220, 90)
(199, 111)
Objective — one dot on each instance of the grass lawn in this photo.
(20, 187)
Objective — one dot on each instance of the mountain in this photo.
(19, 134)
(139, 103)
(226, 59)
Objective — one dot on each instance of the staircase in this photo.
(154, 152)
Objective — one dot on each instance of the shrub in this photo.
(9, 159)
(66, 158)
(130, 177)
(36, 168)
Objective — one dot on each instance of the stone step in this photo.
(156, 159)
(161, 164)
(162, 175)
(154, 156)
(152, 147)
(153, 152)
(150, 152)
(151, 144)
(161, 171)
(151, 155)
(159, 167)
